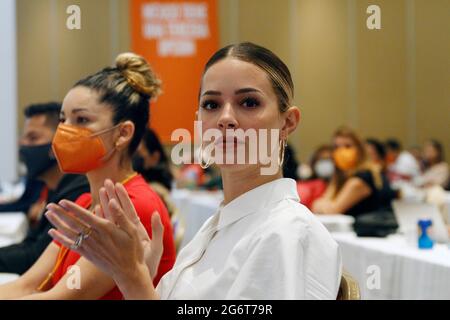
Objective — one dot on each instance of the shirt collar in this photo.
(256, 199)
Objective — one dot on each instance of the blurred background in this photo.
(392, 82)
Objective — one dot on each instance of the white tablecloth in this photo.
(13, 227)
(405, 271)
(195, 208)
(7, 277)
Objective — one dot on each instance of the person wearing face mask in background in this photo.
(36, 158)
(41, 121)
(321, 168)
(357, 186)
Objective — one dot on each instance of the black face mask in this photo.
(37, 159)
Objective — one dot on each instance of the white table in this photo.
(405, 271)
(337, 222)
(195, 208)
(13, 227)
(11, 192)
(7, 277)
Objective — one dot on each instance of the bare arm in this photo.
(30, 280)
(353, 191)
(84, 282)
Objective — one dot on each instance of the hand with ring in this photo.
(113, 239)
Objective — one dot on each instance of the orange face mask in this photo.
(79, 150)
(345, 158)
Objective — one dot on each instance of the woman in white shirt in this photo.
(261, 244)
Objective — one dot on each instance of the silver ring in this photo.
(86, 233)
(78, 242)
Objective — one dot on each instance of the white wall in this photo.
(8, 91)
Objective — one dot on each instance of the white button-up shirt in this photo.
(262, 245)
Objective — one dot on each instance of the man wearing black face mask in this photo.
(36, 152)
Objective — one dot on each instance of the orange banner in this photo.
(177, 38)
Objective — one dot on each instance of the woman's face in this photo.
(81, 108)
(430, 154)
(238, 95)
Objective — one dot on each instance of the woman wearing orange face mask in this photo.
(358, 185)
(103, 119)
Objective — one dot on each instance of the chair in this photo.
(349, 288)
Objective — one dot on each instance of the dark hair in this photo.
(51, 110)
(127, 88)
(152, 144)
(393, 144)
(439, 149)
(161, 173)
(379, 147)
(290, 163)
(277, 71)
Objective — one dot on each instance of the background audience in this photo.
(358, 185)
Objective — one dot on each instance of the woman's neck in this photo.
(114, 171)
(236, 183)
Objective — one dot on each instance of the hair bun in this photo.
(138, 74)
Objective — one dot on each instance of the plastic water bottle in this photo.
(425, 242)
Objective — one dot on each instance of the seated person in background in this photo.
(376, 153)
(437, 172)
(103, 119)
(322, 169)
(152, 163)
(416, 152)
(358, 186)
(41, 121)
(401, 165)
(213, 179)
(190, 175)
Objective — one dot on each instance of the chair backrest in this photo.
(349, 288)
